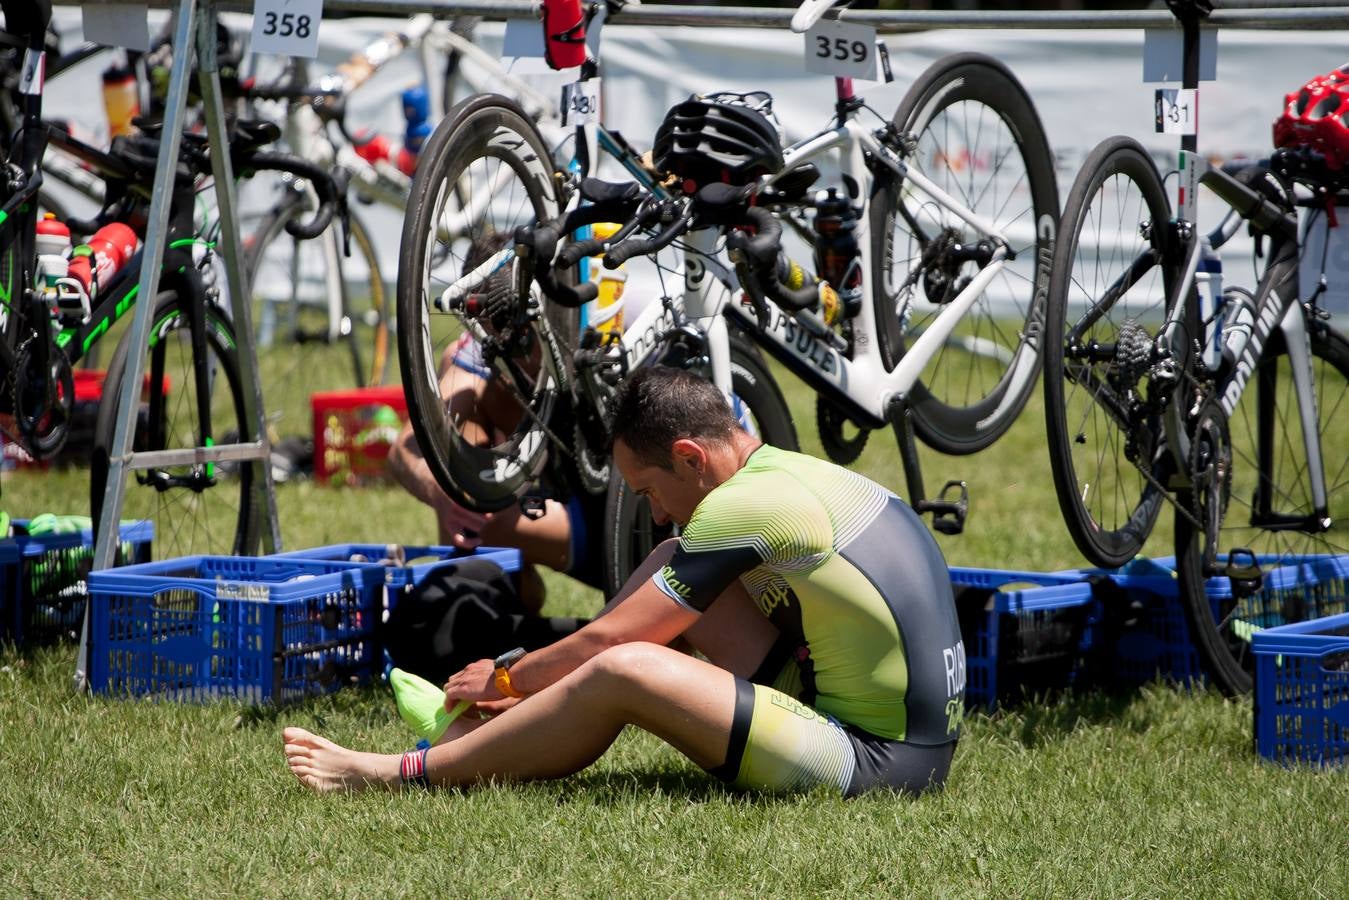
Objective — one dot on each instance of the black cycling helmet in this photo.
(718, 138)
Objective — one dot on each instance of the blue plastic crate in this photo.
(1156, 640)
(1038, 637)
(256, 630)
(1144, 633)
(418, 560)
(1302, 691)
(43, 579)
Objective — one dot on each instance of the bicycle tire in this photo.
(216, 516)
(629, 532)
(488, 149)
(1112, 531)
(297, 351)
(958, 98)
(1266, 425)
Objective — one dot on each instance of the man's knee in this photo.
(625, 666)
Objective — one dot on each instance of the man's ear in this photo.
(688, 452)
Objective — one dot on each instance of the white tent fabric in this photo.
(1087, 85)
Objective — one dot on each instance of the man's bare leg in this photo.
(684, 701)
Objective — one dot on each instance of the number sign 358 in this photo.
(287, 27)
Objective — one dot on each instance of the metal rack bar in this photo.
(194, 28)
(1241, 14)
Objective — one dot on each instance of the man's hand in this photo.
(462, 526)
(475, 682)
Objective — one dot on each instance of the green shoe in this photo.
(422, 705)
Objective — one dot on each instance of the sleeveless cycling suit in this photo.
(867, 685)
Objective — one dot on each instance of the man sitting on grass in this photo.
(823, 607)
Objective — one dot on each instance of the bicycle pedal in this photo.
(948, 515)
(1243, 571)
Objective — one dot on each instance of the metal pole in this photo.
(152, 257)
(231, 251)
(1276, 14)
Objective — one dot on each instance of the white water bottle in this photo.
(1208, 281)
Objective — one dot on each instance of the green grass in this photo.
(1156, 793)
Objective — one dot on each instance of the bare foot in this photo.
(323, 767)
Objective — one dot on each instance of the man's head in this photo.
(675, 439)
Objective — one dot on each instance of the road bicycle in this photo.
(941, 244)
(193, 393)
(1163, 387)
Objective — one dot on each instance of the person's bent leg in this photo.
(688, 703)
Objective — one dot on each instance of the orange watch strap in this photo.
(503, 683)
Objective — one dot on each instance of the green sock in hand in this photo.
(422, 705)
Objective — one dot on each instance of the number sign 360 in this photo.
(287, 27)
(841, 48)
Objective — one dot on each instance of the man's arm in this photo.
(647, 615)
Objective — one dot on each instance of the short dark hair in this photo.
(659, 405)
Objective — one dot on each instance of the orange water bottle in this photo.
(121, 100)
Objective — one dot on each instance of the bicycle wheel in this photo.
(978, 138)
(1270, 490)
(321, 318)
(629, 531)
(198, 508)
(1109, 287)
(484, 172)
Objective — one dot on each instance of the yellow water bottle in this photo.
(607, 317)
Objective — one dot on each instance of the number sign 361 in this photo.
(287, 27)
(841, 48)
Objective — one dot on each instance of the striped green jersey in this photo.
(849, 574)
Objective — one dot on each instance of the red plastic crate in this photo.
(353, 431)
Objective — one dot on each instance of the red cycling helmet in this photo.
(1316, 116)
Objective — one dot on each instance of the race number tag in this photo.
(842, 49)
(34, 74)
(581, 102)
(1177, 111)
(287, 27)
(117, 25)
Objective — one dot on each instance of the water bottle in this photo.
(121, 100)
(92, 266)
(53, 246)
(417, 112)
(1239, 322)
(608, 309)
(837, 257)
(1208, 281)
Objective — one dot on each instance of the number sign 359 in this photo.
(287, 27)
(841, 48)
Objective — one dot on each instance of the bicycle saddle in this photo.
(811, 11)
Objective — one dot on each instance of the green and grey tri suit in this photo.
(859, 591)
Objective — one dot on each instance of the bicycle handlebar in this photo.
(539, 243)
(326, 185)
(620, 253)
(762, 251)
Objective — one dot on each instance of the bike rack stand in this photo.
(195, 26)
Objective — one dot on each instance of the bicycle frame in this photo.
(1276, 306)
(802, 342)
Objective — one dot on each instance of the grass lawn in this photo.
(1155, 793)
